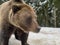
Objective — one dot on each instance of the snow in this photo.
(42, 3)
(13, 41)
(46, 36)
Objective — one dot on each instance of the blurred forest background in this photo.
(48, 11)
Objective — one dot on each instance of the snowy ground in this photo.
(47, 36)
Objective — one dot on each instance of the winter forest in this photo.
(48, 11)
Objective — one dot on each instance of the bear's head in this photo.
(23, 16)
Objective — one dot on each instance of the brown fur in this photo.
(17, 15)
(26, 11)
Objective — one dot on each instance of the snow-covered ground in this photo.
(46, 36)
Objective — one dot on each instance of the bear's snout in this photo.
(38, 29)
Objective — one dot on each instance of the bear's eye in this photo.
(15, 9)
(29, 20)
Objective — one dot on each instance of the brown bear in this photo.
(19, 18)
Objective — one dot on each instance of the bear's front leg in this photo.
(5, 34)
(24, 38)
(20, 35)
(4, 37)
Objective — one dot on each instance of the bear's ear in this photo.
(15, 8)
(20, 1)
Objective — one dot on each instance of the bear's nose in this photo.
(38, 29)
